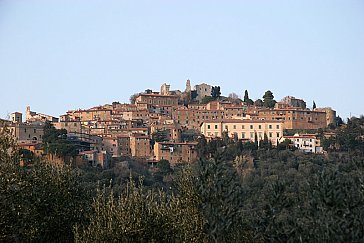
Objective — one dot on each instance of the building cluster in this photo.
(153, 127)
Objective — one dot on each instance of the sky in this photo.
(62, 55)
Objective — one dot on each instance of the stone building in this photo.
(294, 118)
(27, 132)
(294, 102)
(330, 115)
(140, 146)
(203, 90)
(175, 152)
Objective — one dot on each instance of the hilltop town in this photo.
(166, 125)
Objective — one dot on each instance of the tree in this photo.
(164, 167)
(215, 92)
(313, 105)
(268, 99)
(133, 98)
(56, 142)
(207, 99)
(233, 96)
(247, 100)
(258, 103)
(38, 203)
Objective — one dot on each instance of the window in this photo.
(270, 126)
(251, 135)
(35, 130)
(278, 135)
(234, 126)
(242, 127)
(251, 127)
(215, 126)
(277, 126)
(226, 127)
(208, 126)
(243, 135)
(260, 126)
(270, 134)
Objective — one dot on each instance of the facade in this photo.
(165, 89)
(124, 145)
(98, 113)
(70, 126)
(140, 146)
(27, 132)
(330, 115)
(157, 100)
(96, 159)
(175, 152)
(172, 130)
(294, 102)
(295, 118)
(307, 143)
(16, 117)
(203, 90)
(110, 145)
(193, 115)
(243, 129)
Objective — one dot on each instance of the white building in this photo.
(308, 143)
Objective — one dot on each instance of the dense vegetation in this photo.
(235, 193)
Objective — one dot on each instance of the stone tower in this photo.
(188, 86)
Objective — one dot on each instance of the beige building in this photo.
(97, 113)
(27, 132)
(31, 116)
(175, 152)
(243, 129)
(157, 99)
(16, 117)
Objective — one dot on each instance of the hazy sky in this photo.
(57, 55)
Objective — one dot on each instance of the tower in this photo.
(188, 86)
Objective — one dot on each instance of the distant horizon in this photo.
(57, 56)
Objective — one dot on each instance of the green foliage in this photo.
(215, 92)
(268, 99)
(207, 99)
(305, 198)
(164, 167)
(40, 203)
(218, 187)
(247, 100)
(349, 137)
(55, 141)
(258, 103)
(234, 193)
(141, 215)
